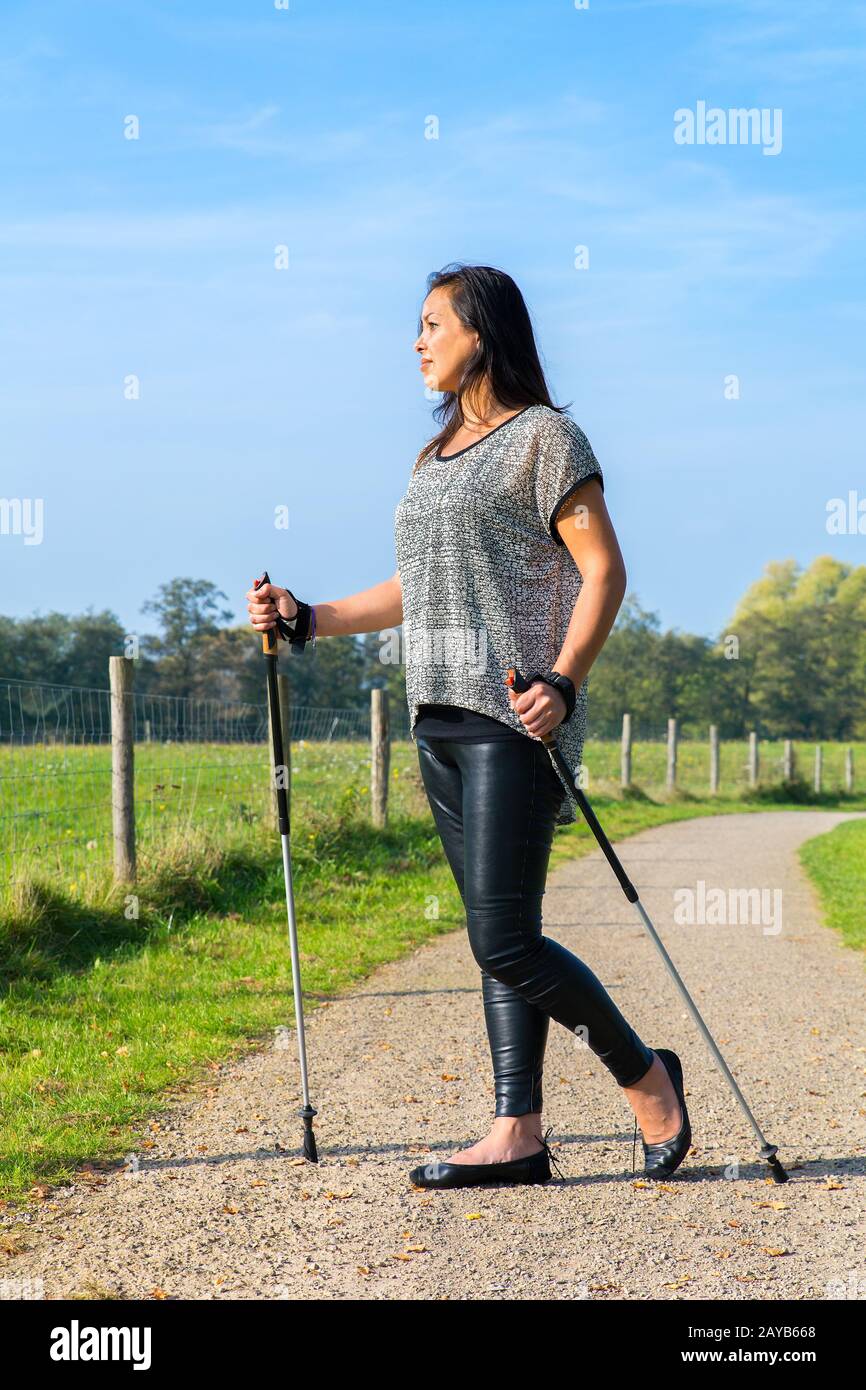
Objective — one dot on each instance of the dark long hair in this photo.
(488, 302)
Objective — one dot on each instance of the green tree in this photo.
(189, 613)
(803, 648)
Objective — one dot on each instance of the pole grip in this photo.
(269, 648)
(519, 684)
(269, 637)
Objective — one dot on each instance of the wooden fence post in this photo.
(714, 757)
(753, 758)
(672, 754)
(788, 760)
(380, 756)
(818, 766)
(849, 769)
(625, 752)
(120, 669)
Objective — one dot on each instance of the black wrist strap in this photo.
(296, 630)
(561, 683)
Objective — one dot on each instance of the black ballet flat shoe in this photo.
(534, 1168)
(660, 1160)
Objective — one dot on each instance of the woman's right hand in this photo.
(260, 603)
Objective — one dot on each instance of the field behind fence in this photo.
(206, 764)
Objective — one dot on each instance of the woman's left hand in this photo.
(540, 708)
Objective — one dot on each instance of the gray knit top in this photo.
(486, 583)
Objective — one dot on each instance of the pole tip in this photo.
(778, 1172)
(310, 1151)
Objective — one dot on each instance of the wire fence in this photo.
(206, 763)
(197, 762)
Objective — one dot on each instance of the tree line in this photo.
(791, 662)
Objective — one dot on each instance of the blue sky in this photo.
(305, 127)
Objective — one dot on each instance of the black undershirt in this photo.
(454, 721)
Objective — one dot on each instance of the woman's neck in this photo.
(491, 409)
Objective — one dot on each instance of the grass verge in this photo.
(836, 863)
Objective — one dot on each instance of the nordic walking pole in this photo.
(269, 647)
(768, 1151)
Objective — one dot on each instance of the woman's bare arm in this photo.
(587, 533)
(371, 610)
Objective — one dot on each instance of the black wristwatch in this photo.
(562, 684)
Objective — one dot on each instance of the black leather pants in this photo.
(495, 804)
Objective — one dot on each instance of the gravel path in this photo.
(399, 1069)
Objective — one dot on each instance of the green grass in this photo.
(836, 863)
(105, 1016)
(55, 800)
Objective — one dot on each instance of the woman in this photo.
(506, 557)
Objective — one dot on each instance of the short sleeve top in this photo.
(487, 584)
